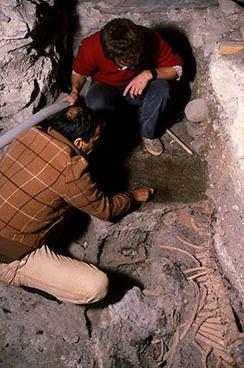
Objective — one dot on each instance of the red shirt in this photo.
(90, 60)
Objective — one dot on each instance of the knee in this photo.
(97, 289)
(103, 100)
(161, 88)
(101, 287)
(96, 103)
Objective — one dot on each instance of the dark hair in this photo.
(76, 122)
(123, 40)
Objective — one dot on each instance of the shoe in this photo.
(153, 146)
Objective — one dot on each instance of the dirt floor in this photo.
(170, 303)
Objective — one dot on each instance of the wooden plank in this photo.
(229, 47)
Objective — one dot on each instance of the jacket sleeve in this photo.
(82, 192)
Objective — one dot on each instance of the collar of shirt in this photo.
(122, 68)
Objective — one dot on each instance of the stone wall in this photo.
(34, 35)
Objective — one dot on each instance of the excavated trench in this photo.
(170, 303)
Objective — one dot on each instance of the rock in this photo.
(220, 230)
(196, 110)
(194, 129)
(27, 77)
(198, 144)
(71, 339)
(170, 218)
(228, 7)
(125, 326)
(3, 18)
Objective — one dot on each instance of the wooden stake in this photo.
(176, 139)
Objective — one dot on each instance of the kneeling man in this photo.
(43, 174)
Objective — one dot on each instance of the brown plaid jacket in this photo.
(42, 176)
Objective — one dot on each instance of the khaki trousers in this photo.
(67, 279)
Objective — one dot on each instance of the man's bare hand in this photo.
(71, 98)
(138, 84)
(77, 82)
(143, 194)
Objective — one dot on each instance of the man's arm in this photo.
(166, 73)
(121, 203)
(139, 83)
(77, 82)
(83, 193)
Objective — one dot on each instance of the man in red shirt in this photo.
(128, 64)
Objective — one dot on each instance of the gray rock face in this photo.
(228, 7)
(26, 76)
(160, 3)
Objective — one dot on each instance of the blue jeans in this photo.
(154, 100)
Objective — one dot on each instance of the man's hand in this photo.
(71, 98)
(138, 84)
(77, 82)
(143, 194)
